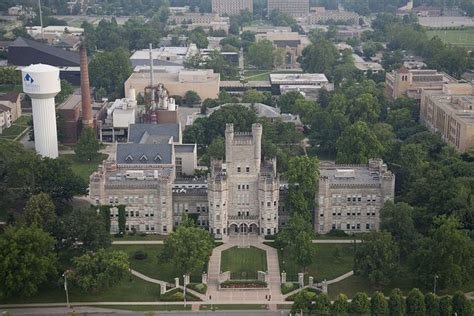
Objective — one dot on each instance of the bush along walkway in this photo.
(322, 286)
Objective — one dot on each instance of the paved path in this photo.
(336, 241)
(137, 242)
(160, 242)
(244, 296)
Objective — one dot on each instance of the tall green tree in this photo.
(189, 249)
(100, 270)
(340, 307)
(302, 302)
(260, 54)
(448, 253)
(40, 211)
(319, 57)
(377, 258)
(357, 145)
(432, 304)
(445, 306)
(87, 147)
(191, 97)
(360, 305)
(216, 149)
(416, 303)
(461, 305)
(378, 305)
(321, 306)
(396, 303)
(109, 70)
(26, 261)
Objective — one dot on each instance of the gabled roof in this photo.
(47, 49)
(10, 96)
(153, 133)
(144, 154)
(4, 108)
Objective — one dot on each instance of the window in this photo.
(348, 226)
(179, 166)
(274, 203)
(147, 227)
(218, 231)
(165, 229)
(333, 226)
(238, 169)
(218, 217)
(367, 226)
(152, 227)
(238, 187)
(358, 226)
(247, 169)
(248, 213)
(268, 203)
(359, 199)
(248, 186)
(137, 214)
(322, 214)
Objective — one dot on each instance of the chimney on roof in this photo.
(85, 89)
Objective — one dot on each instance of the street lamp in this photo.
(65, 288)
(184, 282)
(436, 277)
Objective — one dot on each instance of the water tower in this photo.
(42, 83)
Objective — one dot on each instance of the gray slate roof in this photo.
(50, 50)
(144, 154)
(185, 148)
(153, 133)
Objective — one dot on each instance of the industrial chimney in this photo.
(85, 89)
(42, 84)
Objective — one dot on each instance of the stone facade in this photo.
(231, 7)
(293, 8)
(243, 192)
(351, 196)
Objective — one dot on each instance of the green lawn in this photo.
(458, 37)
(326, 263)
(152, 266)
(84, 170)
(147, 308)
(243, 263)
(18, 127)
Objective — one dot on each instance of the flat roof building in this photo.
(293, 8)
(410, 83)
(231, 7)
(450, 113)
(303, 82)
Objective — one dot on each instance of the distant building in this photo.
(367, 66)
(16, 10)
(319, 15)
(206, 21)
(293, 44)
(410, 83)
(306, 83)
(450, 112)
(23, 52)
(350, 196)
(233, 7)
(5, 118)
(120, 114)
(67, 37)
(293, 8)
(12, 100)
(204, 82)
(163, 56)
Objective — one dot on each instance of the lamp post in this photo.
(65, 288)
(436, 277)
(184, 282)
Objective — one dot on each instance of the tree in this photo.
(321, 306)
(189, 249)
(397, 219)
(396, 303)
(66, 90)
(302, 248)
(340, 307)
(100, 270)
(360, 305)
(253, 96)
(109, 70)
(287, 100)
(216, 149)
(432, 304)
(85, 226)
(208, 104)
(260, 54)
(378, 305)
(357, 145)
(302, 302)
(40, 211)
(416, 303)
(319, 57)
(26, 261)
(365, 108)
(219, 64)
(445, 306)
(87, 147)
(198, 37)
(191, 97)
(448, 253)
(461, 305)
(377, 258)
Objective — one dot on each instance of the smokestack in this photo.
(152, 77)
(85, 89)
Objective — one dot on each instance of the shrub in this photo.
(337, 233)
(288, 287)
(140, 255)
(198, 287)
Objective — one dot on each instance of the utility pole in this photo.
(41, 19)
(435, 281)
(184, 282)
(65, 289)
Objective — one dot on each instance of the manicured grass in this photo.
(129, 289)
(326, 264)
(243, 263)
(147, 308)
(84, 169)
(234, 307)
(457, 37)
(153, 266)
(263, 75)
(17, 127)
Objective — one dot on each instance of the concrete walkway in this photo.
(160, 242)
(137, 242)
(258, 296)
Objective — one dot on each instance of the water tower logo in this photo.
(29, 79)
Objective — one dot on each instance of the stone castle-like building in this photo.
(149, 177)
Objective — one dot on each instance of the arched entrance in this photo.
(233, 229)
(243, 228)
(253, 229)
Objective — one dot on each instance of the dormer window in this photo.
(143, 158)
(129, 158)
(158, 158)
